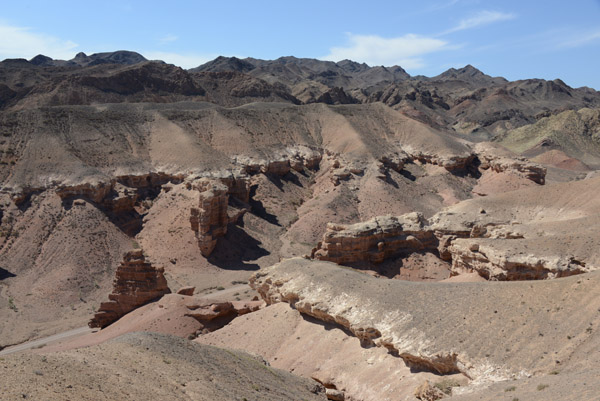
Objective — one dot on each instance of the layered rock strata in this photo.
(210, 219)
(406, 319)
(375, 240)
(136, 283)
(348, 311)
(495, 249)
(280, 162)
(500, 160)
(470, 255)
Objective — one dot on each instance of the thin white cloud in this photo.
(186, 61)
(21, 42)
(405, 51)
(442, 5)
(167, 39)
(482, 18)
(580, 40)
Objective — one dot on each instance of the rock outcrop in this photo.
(453, 162)
(136, 283)
(500, 160)
(493, 248)
(406, 319)
(349, 313)
(214, 315)
(477, 255)
(375, 240)
(187, 291)
(280, 162)
(210, 219)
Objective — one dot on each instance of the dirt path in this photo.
(41, 342)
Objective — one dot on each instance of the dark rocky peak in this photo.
(16, 61)
(392, 74)
(40, 59)
(540, 88)
(336, 96)
(222, 64)
(352, 66)
(307, 64)
(396, 69)
(468, 74)
(148, 77)
(122, 57)
(287, 59)
(467, 71)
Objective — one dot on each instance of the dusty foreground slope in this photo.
(149, 366)
(488, 331)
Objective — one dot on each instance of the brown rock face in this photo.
(221, 201)
(215, 315)
(137, 283)
(210, 219)
(375, 240)
(499, 160)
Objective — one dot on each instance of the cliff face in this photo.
(136, 283)
(220, 202)
(495, 249)
(209, 220)
(375, 240)
(393, 314)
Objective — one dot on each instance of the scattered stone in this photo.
(188, 291)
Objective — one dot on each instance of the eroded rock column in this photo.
(136, 283)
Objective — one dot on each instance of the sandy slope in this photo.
(143, 366)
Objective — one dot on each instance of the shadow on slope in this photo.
(237, 250)
(259, 209)
(6, 274)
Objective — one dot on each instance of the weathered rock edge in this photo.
(468, 244)
(444, 327)
(273, 291)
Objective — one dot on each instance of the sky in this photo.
(514, 39)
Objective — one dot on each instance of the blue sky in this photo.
(514, 39)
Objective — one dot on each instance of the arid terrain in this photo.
(295, 229)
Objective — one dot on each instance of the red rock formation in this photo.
(213, 316)
(209, 220)
(375, 240)
(136, 284)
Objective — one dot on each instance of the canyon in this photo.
(351, 232)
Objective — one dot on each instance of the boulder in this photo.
(188, 291)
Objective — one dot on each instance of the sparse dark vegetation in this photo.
(446, 385)
(541, 387)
